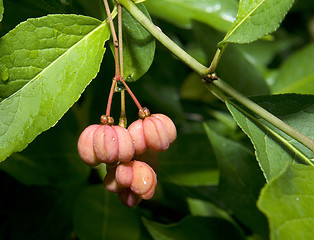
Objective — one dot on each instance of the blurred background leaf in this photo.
(292, 79)
(97, 213)
(218, 14)
(237, 167)
(193, 228)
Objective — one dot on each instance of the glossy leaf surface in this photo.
(44, 66)
(138, 46)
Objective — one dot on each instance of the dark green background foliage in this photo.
(229, 174)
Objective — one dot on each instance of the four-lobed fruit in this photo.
(105, 144)
(133, 181)
(155, 132)
(116, 146)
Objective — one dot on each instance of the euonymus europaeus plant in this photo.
(239, 91)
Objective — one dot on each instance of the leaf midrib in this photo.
(102, 24)
(238, 25)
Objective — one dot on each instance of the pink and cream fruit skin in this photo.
(105, 144)
(85, 146)
(133, 181)
(155, 132)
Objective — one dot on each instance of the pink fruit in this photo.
(144, 178)
(154, 131)
(150, 157)
(126, 145)
(124, 174)
(110, 181)
(150, 193)
(137, 133)
(113, 143)
(106, 144)
(85, 145)
(171, 128)
(156, 135)
(129, 198)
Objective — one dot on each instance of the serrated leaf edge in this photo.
(102, 24)
(278, 136)
(237, 26)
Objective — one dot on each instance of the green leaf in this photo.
(255, 19)
(261, 53)
(235, 66)
(238, 167)
(296, 75)
(51, 159)
(138, 46)
(186, 165)
(287, 201)
(207, 209)
(1, 10)
(98, 215)
(274, 148)
(217, 13)
(46, 64)
(193, 228)
(193, 89)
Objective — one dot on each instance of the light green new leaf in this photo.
(138, 46)
(255, 19)
(287, 201)
(296, 75)
(1, 10)
(46, 63)
(274, 148)
(217, 13)
(99, 215)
